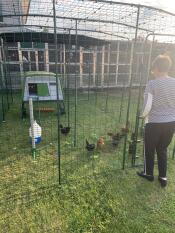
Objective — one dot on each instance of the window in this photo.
(33, 66)
(32, 56)
(38, 45)
(52, 55)
(52, 68)
(87, 68)
(40, 56)
(73, 69)
(25, 57)
(13, 55)
(87, 58)
(26, 67)
(13, 67)
(41, 67)
(73, 57)
(26, 45)
(12, 45)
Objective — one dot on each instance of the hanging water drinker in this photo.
(36, 132)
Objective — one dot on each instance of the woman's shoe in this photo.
(148, 177)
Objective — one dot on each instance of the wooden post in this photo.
(36, 58)
(46, 57)
(20, 58)
(28, 52)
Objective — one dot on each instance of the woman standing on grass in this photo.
(159, 108)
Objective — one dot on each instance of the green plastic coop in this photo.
(41, 86)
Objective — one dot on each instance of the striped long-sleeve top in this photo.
(159, 100)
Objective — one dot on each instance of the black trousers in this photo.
(158, 136)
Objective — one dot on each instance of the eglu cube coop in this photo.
(42, 86)
(102, 52)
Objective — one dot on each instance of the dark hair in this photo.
(162, 62)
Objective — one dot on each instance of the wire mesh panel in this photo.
(85, 65)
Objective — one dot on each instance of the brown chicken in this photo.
(100, 143)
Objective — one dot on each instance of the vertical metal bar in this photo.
(46, 57)
(5, 72)
(141, 75)
(32, 128)
(130, 87)
(89, 79)
(75, 114)
(64, 64)
(68, 84)
(149, 59)
(129, 99)
(61, 59)
(117, 62)
(94, 64)
(102, 66)
(3, 110)
(57, 94)
(81, 66)
(121, 103)
(2, 83)
(140, 71)
(173, 155)
(9, 77)
(1, 64)
(97, 79)
(108, 74)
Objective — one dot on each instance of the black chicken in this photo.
(115, 142)
(65, 130)
(115, 138)
(90, 147)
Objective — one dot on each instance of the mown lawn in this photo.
(114, 202)
(96, 195)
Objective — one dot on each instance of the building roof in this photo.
(38, 73)
(45, 37)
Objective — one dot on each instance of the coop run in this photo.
(84, 66)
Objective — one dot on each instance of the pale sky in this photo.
(168, 5)
(67, 9)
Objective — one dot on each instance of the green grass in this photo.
(125, 204)
(96, 196)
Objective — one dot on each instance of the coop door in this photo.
(43, 89)
(32, 89)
